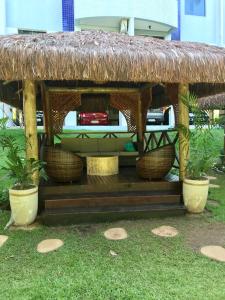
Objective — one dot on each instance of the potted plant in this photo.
(196, 184)
(201, 159)
(23, 195)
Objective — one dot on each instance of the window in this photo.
(195, 7)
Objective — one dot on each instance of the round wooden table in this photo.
(102, 165)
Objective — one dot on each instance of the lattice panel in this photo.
(128, 105)
(146, 100)
(61, 104)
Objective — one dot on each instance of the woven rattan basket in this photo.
(62, 166)
(156, 163)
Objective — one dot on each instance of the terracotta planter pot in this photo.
(195, 193)
(24, 205)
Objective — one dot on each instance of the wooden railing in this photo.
(99, 134)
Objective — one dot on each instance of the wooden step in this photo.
(112, 199)
(68, 216)
(72, 189)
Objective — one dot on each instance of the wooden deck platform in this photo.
(107, 198)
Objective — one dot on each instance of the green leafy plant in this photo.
(3, 123)
(201, 157)
(199, 165)
(17, 168)
(220, 122)
(4, 198)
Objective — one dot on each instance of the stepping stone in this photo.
(115, 234)
(165, 231)
(216, 186)
(49, 245)
(214, 252)
(3, 239)
(211, 177)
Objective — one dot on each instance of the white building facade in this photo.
(142, 17)
(197, 20)
(202, 21)
(146, 17)
(187, 20)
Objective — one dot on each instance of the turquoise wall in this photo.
(32, 14)
(2, 17)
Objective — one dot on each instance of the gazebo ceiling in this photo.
(101, 56)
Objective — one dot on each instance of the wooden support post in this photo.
(140, 133)
(47, 114)
(30, 122)
(183, 119)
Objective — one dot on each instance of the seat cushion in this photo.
(94, 145)
(80, 145)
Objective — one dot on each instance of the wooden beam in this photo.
(147, 86)
(93, 90)
(183, 120)
(29, 108)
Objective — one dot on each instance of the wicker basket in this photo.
(156, 163)
(62, 166)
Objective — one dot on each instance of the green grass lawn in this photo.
(147, 267)
(218, 194)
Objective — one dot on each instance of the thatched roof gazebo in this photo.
(212, 102)
(61, 67)
(101, 56)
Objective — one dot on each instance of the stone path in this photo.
(3, 239)
(115, 234)
(49, 245)
(165, 231)
(214, 252)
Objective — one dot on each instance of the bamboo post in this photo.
(183, 119)
(29, 108)
(47, 115)
(140, 133)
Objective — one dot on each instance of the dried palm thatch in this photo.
(101, 56)
(213, 102)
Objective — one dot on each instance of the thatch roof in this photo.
(101, 56)
(213, 102)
